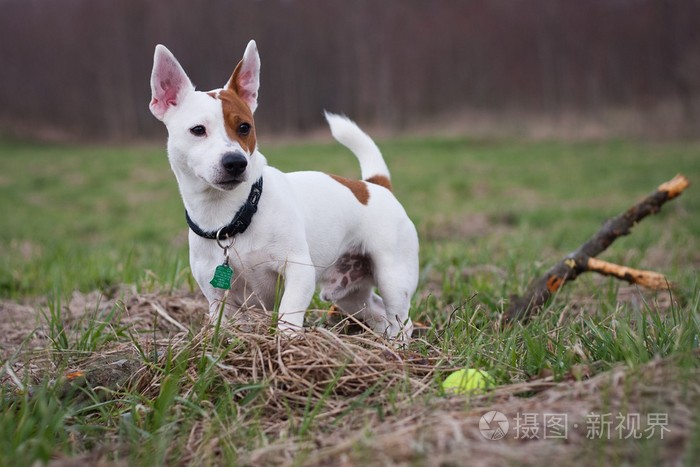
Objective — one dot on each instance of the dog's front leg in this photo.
(299, 287)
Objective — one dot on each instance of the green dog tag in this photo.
(222, 277)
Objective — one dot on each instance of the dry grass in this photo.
(447, 432)
(327, 398)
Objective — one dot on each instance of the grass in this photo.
(94, 243)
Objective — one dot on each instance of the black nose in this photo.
(234, 163)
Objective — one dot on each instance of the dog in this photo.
(252, 225)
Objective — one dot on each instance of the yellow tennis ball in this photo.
(468, 380)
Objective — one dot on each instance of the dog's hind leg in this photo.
(397, 280)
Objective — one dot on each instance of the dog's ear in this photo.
(245, 79)
(169, 83)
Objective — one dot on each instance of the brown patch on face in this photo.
(358, 188)
(236, 114)
(380, 180)
(213, 94)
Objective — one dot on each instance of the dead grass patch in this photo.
(468, 227)
(326, 398)
(446, 432)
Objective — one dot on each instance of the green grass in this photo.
(491, 216)
(90, 218)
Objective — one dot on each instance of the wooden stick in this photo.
(649, 279)
(583, 259)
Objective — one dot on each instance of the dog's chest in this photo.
(205, 256)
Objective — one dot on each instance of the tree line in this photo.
(82, 67)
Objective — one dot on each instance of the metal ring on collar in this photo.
(218, 241)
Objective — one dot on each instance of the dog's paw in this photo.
(400, 334)
(289, 331)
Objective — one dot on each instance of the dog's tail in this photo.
(372, 165)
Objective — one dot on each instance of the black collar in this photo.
(240, 221)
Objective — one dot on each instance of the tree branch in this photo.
(584, 259)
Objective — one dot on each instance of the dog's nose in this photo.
(234, 163)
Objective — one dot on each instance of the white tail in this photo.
(351, 136)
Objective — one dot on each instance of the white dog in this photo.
(251, 224)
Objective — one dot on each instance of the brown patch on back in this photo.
(358, 188)
(380, 180)
(236, 112)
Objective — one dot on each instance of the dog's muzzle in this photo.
(234, 163)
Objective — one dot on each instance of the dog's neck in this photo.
(211, 208)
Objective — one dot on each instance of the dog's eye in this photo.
(198, 130)
(244, 129)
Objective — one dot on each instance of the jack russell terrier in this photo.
(251, 224)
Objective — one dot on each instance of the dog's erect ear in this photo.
(245, 79)
(169, 83)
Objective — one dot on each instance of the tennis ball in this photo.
(467, 381)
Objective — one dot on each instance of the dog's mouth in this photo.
(228, 184)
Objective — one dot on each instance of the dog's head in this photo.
(211, 135)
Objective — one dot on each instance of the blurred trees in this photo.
(82, 67)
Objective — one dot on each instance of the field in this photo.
(106, 357)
